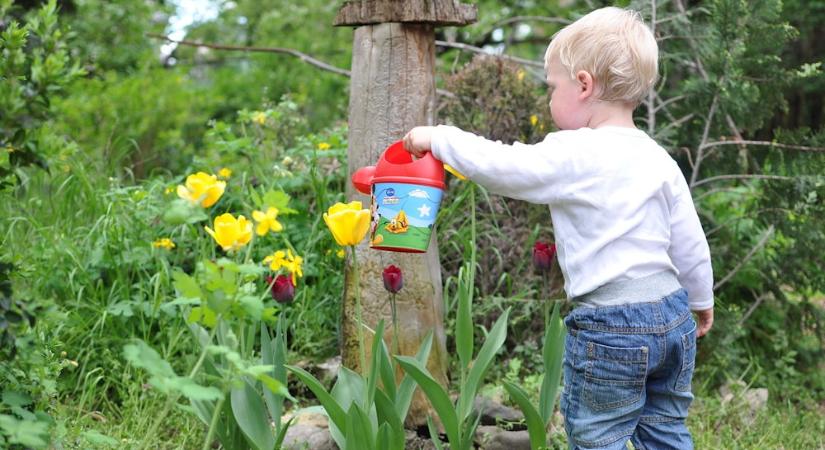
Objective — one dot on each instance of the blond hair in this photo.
(616, 47)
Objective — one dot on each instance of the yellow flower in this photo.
(323, 146)
(225, 173)
(164, 243)
(259, 117)
(455, 173)
(348, 222)
(292, 263)
(231, 233)
(267, 221)
(534, 119)
(202, 189)
(341, 253)
(520, 75)
(169, 190)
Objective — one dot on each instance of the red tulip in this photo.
(393, 280)
(283, 291)
(543, 255)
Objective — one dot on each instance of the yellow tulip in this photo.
(202, 188)
(450, 169)
(267, 221)
(348, 222)
(231, 233)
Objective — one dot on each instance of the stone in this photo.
(303, 436)
(494, 438)
(493, 412)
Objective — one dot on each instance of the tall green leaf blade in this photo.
(553, 353)
(436, 394)
(250, 413)
(535, 424)
(360, 435)
(274, 403)
(389, 417)
(375, 362)
(407, 386)
(464, 319)
(434, 434)
(333, 409)
(495, 339)
(386, 372)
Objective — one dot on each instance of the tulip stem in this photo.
(394, 325)
(358, 323)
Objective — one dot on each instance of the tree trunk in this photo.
(393, 90)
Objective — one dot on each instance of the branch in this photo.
(700, 154)
(759, 245)
(287, 51)
(515, 19)
(239, 48)
(474, 49)
(764, 143)
(740, 177)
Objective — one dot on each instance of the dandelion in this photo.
(324, 146)
(225, 173)
(164, 243)
(231, 233)
(285, 259)
(341, 253)
(534, 119)
(202, 188)
(267, 221)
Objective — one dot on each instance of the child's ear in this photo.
(586, 84)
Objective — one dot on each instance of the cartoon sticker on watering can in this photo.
(403, 215)
(405, 195)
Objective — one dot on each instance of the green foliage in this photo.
(35, 68)
(494, 98)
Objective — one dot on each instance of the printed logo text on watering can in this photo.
(405, 195)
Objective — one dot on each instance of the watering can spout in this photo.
(362, 179)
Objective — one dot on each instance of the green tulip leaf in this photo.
(535, 423)
(495, 339)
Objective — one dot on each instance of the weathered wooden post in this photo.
(393, 90)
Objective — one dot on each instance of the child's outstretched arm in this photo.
(690, 254)
(525, 172)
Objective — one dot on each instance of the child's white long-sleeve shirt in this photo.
(620, 206)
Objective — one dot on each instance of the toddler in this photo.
(634, 257)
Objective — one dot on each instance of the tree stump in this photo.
(391, 91)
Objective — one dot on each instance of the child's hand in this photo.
(418, 141)
(705, 319)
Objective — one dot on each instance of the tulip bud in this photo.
(393, 280)
(543, 256)
(283, 291)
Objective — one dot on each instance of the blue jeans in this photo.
(627, 372)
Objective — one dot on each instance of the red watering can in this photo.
(405, 196)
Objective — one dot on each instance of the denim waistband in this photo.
(659, 316)
(639, 290)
